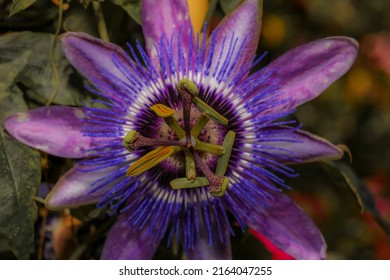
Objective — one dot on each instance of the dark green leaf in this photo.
(132, 7)
(19, 180)
(12, 103)
(10, 70)
(211, 10)
(37, 75)
(228, 5)
(20, 5)
(344, 176)
(19, 170)
(85, 3)
(11, 98)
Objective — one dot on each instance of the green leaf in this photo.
(20, 5)
(85, 3)
(345, 177)
(132, 8)
(19, 180)
(37, 76)
(10, 70)
(12, 103)
(228, 5)
(211, 10)
(11, 98)
(19, 170)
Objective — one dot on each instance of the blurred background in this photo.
(349, 200)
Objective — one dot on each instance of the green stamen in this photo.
(200, 124)
(167, 113)
(209, 148)
(203, 107)
(177, 129)
(215, 190)
(190, 166)
(223, 160)
(183, 183)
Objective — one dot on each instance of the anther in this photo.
(150, 160)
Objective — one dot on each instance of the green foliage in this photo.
(345, 177)
(10, 70)
(20, 167)
(24, 56)
(85, 3)
(228, 5)
(19, 179)
(132, 7)
(20, 5)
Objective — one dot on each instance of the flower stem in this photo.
(52, 55)
(102, 27)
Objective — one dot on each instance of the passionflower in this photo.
(185, 139)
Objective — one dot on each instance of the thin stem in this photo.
(102, 27)
(52, 55)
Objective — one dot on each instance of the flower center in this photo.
(190, 143)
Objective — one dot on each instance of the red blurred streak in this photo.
(276, 253)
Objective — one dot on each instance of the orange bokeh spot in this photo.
(274, 30)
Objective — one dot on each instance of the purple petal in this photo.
(55, 130)
(289, 228)
(123, 243)
(219, 250)
(74, 189)
(97, 60)
(305, 147)
(306, 71)
(165, 17)
(245, 22)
